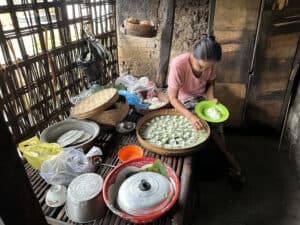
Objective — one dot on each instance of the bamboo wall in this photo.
(40, 43)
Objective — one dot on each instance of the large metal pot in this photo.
(84, 198)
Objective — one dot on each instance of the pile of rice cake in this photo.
(172, 132)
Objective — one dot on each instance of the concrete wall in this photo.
(189, 23)
(137, 55)
(141, 56)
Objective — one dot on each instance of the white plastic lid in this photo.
(142, 192)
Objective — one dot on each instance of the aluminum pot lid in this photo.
(85, 187)
(143, 193)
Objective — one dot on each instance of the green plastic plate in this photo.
(202, 107)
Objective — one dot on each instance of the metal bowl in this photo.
(52, 133)
(125, 127)
(118, 175)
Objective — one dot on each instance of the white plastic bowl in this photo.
(56, 195)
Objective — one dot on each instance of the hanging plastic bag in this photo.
(63, 168)
(93, 58)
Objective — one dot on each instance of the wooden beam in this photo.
(166, 41)
(211, 16)
(18, 203)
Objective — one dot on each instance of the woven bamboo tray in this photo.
(165, 151)
(95, 104)
(112, 117)
(161, 96)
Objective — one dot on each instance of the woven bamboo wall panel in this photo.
(40, 42)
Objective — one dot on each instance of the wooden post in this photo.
(211, 16)
(166, 41)
(18, 202)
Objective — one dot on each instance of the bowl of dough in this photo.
(72, 133)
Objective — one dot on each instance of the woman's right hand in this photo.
(196, 122)
(194, 119)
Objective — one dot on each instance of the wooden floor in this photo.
(271, 194)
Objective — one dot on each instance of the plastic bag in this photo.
(36, 152)
(84, 94)
(63, 168)
(133, 99)
(93, 57)
(135, 85)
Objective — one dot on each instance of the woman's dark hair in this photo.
(206, 48)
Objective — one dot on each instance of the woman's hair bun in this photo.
(207, 48)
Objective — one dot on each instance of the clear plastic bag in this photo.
(135, 85)
(84, 94)
(63, 168)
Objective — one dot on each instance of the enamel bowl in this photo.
(118, 176)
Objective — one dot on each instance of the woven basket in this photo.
(139, 29)
(95, 104)
(165, 151)
(111, 117)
